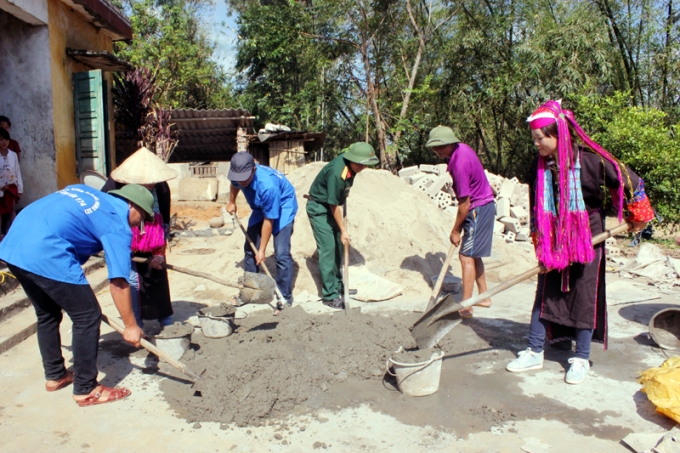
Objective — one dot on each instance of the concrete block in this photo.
(520, 214)
(428, 168)
(523, 235)
(198, 189)
(502, 208)
(498, 227)
(424, 183)
(510, 224)
(408, 171)
(443, 200)
(507, 189)
(612, 252)
(611, 242)
(438, 184)
(182, 172)
(416, 177)
(492, 177)
(495, 187)
(509, 237)
(520, 195)
(441, 169)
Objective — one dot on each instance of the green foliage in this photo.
(638, 136)
(168, 40)
(479, 67)
(286, 79)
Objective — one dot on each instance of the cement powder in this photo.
(397, 231)
(271, 366)
(417, 356)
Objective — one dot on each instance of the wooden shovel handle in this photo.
(184, 270)
(155, 351)
(440, 278)
(279, 296)
(521, 277)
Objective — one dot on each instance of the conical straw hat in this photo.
(143, 167)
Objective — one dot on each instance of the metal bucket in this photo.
(174, 340)
(664, 328)
(417, 379)
(216, 327)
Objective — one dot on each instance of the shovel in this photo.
(279, 296)
(255, 293)
(196, 379)
(440, 279)
(444, 316)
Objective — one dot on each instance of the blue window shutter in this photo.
(89, 107)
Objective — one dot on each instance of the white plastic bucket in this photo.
(417, 379)
(216, 326)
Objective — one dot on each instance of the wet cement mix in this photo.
(271, 366)
(299, 364)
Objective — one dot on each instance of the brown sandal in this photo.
(61, 383)
(115, 394)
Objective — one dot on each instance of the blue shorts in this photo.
(478, 231)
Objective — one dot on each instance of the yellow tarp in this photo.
(662, 386)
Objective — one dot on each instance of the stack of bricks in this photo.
(512, 207)
(511, 196)
(435, 181)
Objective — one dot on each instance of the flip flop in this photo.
(61, 383)
(115, 394)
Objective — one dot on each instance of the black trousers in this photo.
(49, 298)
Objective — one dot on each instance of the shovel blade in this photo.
(429, 330)
(197, 379)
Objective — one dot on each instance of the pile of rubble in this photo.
(512, 197)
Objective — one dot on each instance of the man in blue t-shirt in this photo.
(45, 248)
(272, 198)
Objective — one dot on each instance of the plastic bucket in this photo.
(216, 326)
(417, 379)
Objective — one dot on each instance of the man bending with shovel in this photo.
(272, 198)
(328, 191)
(476, 209)
(45, 248)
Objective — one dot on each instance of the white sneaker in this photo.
(577, 371)
(526, 360)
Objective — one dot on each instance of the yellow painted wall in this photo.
(67, 28)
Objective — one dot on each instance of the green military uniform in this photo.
(331, 187)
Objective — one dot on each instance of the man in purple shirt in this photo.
(476, 209)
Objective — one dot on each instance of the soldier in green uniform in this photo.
(329, 190)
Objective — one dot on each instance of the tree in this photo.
(168, 39)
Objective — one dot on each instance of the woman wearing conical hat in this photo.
(566, 198)
(149, 282)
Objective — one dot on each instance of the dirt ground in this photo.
(289, 384)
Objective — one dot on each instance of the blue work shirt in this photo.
(270, 195)
(55, 235)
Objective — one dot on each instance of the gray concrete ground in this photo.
(479, 406)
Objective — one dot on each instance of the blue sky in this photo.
(222, 29)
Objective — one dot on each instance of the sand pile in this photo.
(268, 367)
(396, 231)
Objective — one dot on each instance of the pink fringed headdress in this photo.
(564, 230)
